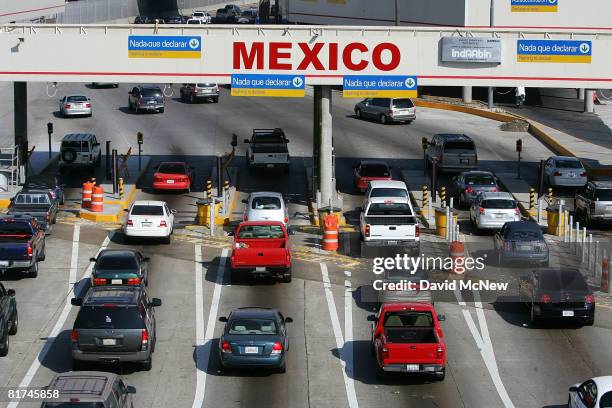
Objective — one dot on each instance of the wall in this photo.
(19, 10)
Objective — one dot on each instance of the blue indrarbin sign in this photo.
(154, 46)
(375, 86)
(289, 86)
(564, 51)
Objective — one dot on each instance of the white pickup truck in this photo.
(267, 149)
(390, 221)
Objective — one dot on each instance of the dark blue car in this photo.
(254, 337)
(521, 241)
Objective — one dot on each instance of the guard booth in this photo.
(273, 11)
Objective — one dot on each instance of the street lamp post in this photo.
(397, 12)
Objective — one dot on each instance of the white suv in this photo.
(80, 150)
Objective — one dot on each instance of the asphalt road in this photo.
(495, 358)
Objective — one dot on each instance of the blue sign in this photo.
(576, 51)
(162, 46)
(377, 86)
(550, 6)
(291, 86)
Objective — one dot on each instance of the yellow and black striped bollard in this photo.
(443, 196)
(549, 196)
(209, 189)
(121, 188)
(425, 200)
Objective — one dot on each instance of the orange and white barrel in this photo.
(86, 196)
(330, 232)
(97, 199)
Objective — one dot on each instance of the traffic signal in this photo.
(49, 128)
(140, 137)
(424, 142)
(234, 140)
(519, 145)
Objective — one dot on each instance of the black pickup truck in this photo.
(38, 204)
(22, 244)
(8, 318)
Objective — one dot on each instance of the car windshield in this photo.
(453, 145)
(374, 170)
(408, 319)
(32, 199)
(268, 138)
(479, 180)
(389, 192)
(403, 274)
(402, 103)
(569, 164)
(104, 317)
(563, 280)
(252, 326)
(151, 92)
(76, 99)
(266, 203)
(73, 404)
(498, 204)
(389, 209)
(261, 231)
(15, 228)
(603, 195)
(171, 168)
(117, 263)
(198, 14)
(147, 210)
(76, 145)
(525, 235)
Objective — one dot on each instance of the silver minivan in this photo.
(386, 110)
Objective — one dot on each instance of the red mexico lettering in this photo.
(311, 56)
(241, 54)
(333, 56)
(276, 55)
(347, 57)
(396, 56)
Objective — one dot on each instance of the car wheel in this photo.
(533, 319)
(286, 170)
(167, 240)
(380, 373)
(147, 365)
(383, 119)
(283, 368)
(43, 254)
(161, 110)
(408, 122)
(500, 258)
(588, 322)
(286, 277)
(33, 270)
(77, 365)
(191, 98)
(235, 276)
(439, 376)
(5, 346)
(15, 324)
(358, 113)
(215, 100)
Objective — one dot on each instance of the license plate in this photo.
(151, 102)
(465, 161)
(269, 166)
(568, 313)
(260, 269)
(499, 215)
(251, 350)
(412, 367)
(526, 247)
(571, 174)
(116, 281)
(109, 342)
(170, 181)
(146, 224)
(392, 242)
(4, 263)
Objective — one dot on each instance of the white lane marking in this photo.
(347, 350)
(203, 341)
(74, 257)
(349, 385)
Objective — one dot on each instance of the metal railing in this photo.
(10, 167)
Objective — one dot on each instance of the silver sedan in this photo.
(75, 105)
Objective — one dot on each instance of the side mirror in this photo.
(247, 141)
(146, 259)
(126, 209)
(290, 232)
(286, 140)
(441, 317)
(155, 302)
(10, 292)
(231, 234)
(92, 259)
(372, 318)
(223, 319)
(130, 389)
(288, 320)
(573, 388)
(76, 301)
(245, 201)
(173, 211)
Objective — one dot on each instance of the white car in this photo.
(266, 206)
(493, 210)
(593, 393)
(75, 105)
(203, 16)
(149, 219)
(564, 171)
(385, 188)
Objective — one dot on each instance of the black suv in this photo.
(8, 318)
(146, 97)
(115, 324)
(90, 389)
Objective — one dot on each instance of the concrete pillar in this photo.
(581, 93)
(467, 94)
(20, 108)
(490, 98)
(325, 152)
(316, 140)
(589, 106)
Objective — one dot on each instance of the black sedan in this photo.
(254, 337)
(557, 294)
(469, 184)
(521, 241)
(120, 267)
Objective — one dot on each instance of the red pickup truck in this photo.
(261, 249)
(407, 338)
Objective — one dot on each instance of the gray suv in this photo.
(452, 153)
(594, 203)
(147, 98)
(115, 324)
(386, 110)
(91, 389)
(80, 150)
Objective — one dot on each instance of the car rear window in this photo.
(408, 319)
(15, 228)
(31, 199)
(563, 280)
(403, 274)
(117, 263)
(170, 168)
(569, 164)
(266, 203)
(374, 170)
(100, 317)
(479, 180)
(151, 92)
(268, 138)
(147, 210)
(389, 209)
(454, 145)
(525, 235)
(205, 85)
(498, 204)
(402, 103)
(389, 192)
(77, 99)
(252, 326)
(603, 195)
(76, 145)
(260, 231)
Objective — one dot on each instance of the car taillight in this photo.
(417, 231)
(367, 230)
(440, 352)
(29, 251)
(481, 210)
(494, 190)
(144, 339)
(544, 298)
(589, 299)
(99, 281)
(245, 217)
(556, 174)
(158, 179)
(226, 347)
(385, 353)
(88, 105)
(133, 281)
(583, 174)
(162, 223)
(286, 219)
(469, 190)
(130, 223)
(67, 106)
(74, 335)
(277, 348)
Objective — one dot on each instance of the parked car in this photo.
(22, 244)
(557, 294)
(386, 188)
(203, 16)
(80, 150)
(407, 338)
(96, 85)
(146, 97)
(595, 392)
(9, 320)
(268, 149)
(370, 170)
(261, 249)
(193, 93)
(173, 176)
(594, 204)
(521, 241)
(386, 110)
(490, 211)
(390, 222)
(196, 21)
(452, 153)
(143, 20)
(115, 324)
(254, 337)
(89, 389)
(75, 105)
(563, 171)
(402, 276)
(175, 20)
(248, 17)
(149, 219)
(266, 206)
(38, 204)
(50, 183)
(469, 184)
(223, 16)
(120, 267)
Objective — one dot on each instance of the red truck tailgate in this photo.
(419, 346)
(261, 252)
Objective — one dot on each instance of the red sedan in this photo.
(369, 170)
(173, 176)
